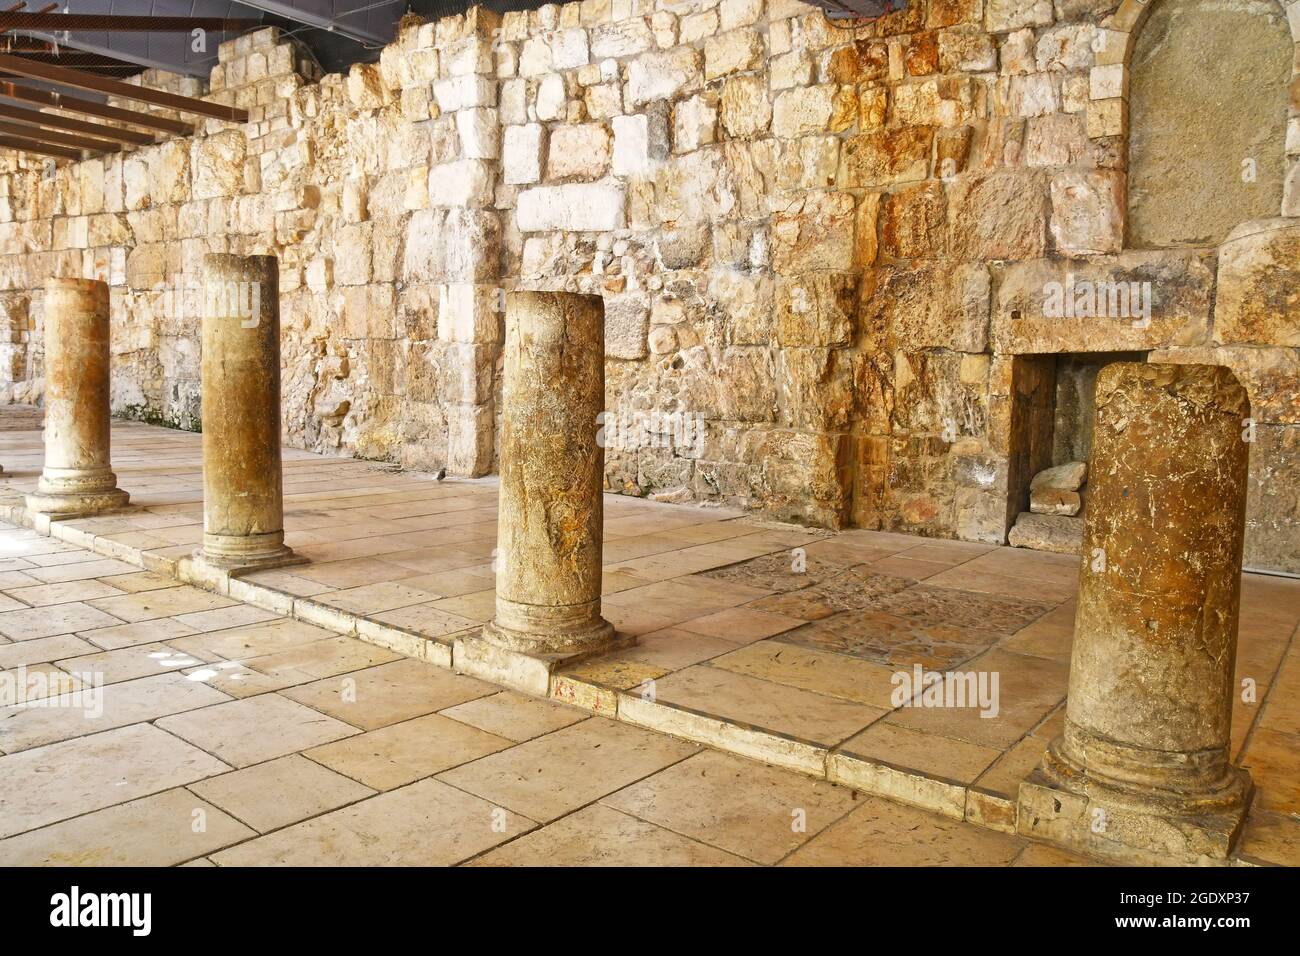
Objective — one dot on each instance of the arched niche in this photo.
(1200, 90)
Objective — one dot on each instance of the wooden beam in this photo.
(102, 84)
(75, 104)
(58, 139)
(41, 149)
(37, 118)
(108, 23)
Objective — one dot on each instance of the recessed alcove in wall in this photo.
(1052, 413)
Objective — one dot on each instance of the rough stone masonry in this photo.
(829, 245)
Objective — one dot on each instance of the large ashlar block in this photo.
(243, 498)
(78, 478)
(1142, 770)
(552, 469)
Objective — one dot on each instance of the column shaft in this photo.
(1151, 676)
(243, 507)
(552, 472)
(78, 477)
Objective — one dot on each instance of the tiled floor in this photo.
(235, 738)
(762, 629)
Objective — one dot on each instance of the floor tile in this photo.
(602, 836)
(775, 707)
(881, 833)
(160, 830)
(402, 753)
(555, 774)
(245, 732)
(274, 794)
(425, 824)
(42, 786)
(387, 694)
(754, 811)
(91, 711)
(515, 716)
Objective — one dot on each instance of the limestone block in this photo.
(465, 92)
(640, 143)
(535, 57)
(1001, 215)
(732, 52)
(929, 305)
(798, 112)
(1061, 534)
(577, 207)
(569, 49)
(1258, 297)
(472, 54)
(966, 52)
(790, 69)
(135, 183)
(815, 310)
(1054, 501)
(513, 103)
(886, 157)
(623, 38)
(169, 171)
(657, 76)
(696, 26)
(466, 182)
(745, 107)
(627, 322)
(579, 151)
(814, 232)
(945, 101)
(217, 162)
(695, 122)
(366, 88)
(1033, 94)
(1067, 477)
(552, 99)
(470, 439)
(1088, 212)
(1132, 301)
(1003, 15)
(522, 151)
(479, 130)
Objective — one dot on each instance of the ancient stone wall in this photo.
(828, 255)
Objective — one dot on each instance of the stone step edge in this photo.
(466, 653)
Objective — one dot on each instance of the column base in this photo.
(256, 553)
(77, 503)
(592, 637)
(1063, 805)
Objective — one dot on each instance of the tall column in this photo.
(1148, 723)
(243, 506)
(552, 470)
(78, 478)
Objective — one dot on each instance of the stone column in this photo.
(1148, 723)
(243, 506)
(552, 471)
(78, 478)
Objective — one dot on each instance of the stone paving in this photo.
(768, 641)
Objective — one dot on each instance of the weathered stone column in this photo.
(243, 505)
(1148, 723)
(552, 470)
(78, 478)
